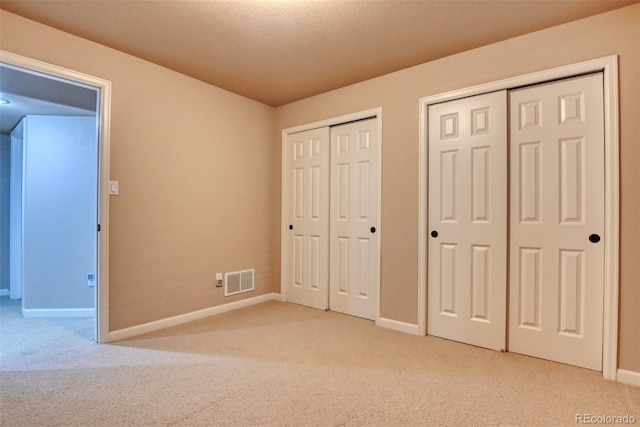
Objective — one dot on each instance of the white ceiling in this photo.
(33, 94)
(279, 51)
(21, 106)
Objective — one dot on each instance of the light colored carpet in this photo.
(279, 364)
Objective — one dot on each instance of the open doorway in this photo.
(52, 198)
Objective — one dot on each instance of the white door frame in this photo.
(609, 67)
(104, 111)
(374, 112)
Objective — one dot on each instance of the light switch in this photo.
(113, 188)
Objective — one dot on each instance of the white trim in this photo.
(334, 121)
(374, 112)
(283, 209)
(104, 114)
(628, 377)
(168, 322)
(396, 325)
(58, 312)
(609, 66)
(4, 292)
(612, 218)
(423, 185)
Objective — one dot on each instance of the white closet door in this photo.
(354, 218)
(557, 206)
(468, 220)
(307, 214)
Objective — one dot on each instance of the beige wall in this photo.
(194, 183)
(613, 33)
(185, 212)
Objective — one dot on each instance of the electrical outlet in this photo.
(218, 280)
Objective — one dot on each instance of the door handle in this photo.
(290, 226)
(594, 238)
(434, 234)
(372, 229)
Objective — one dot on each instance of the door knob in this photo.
(434, 233)
(290, 226)
(594, 238)
(372, 229)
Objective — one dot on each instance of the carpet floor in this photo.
(279, 364)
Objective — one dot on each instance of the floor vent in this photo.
(237, 282)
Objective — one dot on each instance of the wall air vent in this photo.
(237, 282)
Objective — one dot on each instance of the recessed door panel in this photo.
(364, 138)
(448, 191)
(572, 291)
(480, 282)
(530, 263)
(316, 268)
(480, 184)
(298, 193)
(529, 194)
(364, 190)
(448, 279)
(468, 220)
(298, 260)
(572, 190)
(363, 250)
(343, 178)
(341, 265)
(316, 192)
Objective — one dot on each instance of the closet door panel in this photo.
(306, 249)
(468, 220)
(354, 234)
(557, 203)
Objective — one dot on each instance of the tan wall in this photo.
(612, 33)
(194, 184)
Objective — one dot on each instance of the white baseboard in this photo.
(396, 325)
(145, 328)
(4, 292)
(58, 312)
(628, 377)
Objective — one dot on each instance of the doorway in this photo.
(607, 67)
(52, 81)
(330, 213)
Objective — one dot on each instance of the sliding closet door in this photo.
(354, 218)
(468, 220)
(557, 221)
(306, 249)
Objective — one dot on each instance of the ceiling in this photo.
(279, 51)
(30, 93)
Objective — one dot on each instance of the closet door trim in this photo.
(609, 67)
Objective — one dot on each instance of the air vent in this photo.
(237, 282)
